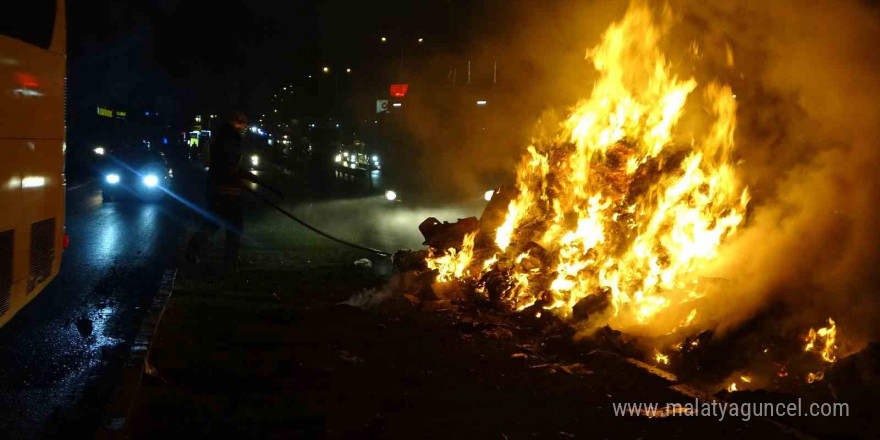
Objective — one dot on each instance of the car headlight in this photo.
(390, 195)
(112, 178)
(345, 153)
(255, 160)
(151, 180)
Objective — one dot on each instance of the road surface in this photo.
(62, 353)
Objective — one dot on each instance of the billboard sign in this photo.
(381, 106)
(399, 90)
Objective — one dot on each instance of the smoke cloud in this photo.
(809, 140)
(807, 79)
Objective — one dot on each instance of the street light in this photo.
(421, 40)
(384, 39)
(326, 69)
(347, 70)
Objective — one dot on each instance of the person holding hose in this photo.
(225, 177)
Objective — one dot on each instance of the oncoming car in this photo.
(254, 159)
(357, 156)
(134, 172)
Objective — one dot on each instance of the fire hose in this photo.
(314, 229)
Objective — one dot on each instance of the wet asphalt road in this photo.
(63, 353)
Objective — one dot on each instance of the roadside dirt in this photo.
(275, 354)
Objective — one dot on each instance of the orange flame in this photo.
(825, 337)
(625, 207)
(453, 263)
(822, 342)
(661, 358)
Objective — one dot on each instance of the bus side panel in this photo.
(31, 172)
(34, 194)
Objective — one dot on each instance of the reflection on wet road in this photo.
(63, 352)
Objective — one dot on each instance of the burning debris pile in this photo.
(614, 220)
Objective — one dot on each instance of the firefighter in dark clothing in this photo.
(224, 192)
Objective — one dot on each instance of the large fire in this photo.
(620, 205)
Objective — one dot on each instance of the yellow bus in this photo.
(32, 143)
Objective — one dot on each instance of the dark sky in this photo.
(207, 53)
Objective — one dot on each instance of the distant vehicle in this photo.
(357, 156)
(253, 160)
(32, 76)
(255, 153)
(134, 172)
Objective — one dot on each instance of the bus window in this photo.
(30, 21)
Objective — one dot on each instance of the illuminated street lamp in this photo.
(326, 69)
(347, 70)
(421, 40)
(384, 39)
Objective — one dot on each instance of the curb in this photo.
(79, 185)
(118, 411)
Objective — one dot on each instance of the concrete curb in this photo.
(115, 421)
(80, 185)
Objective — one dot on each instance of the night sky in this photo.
(206, 54)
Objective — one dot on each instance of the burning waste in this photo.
(615, 219)
(616, 210)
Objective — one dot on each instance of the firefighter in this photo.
(225, 177)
